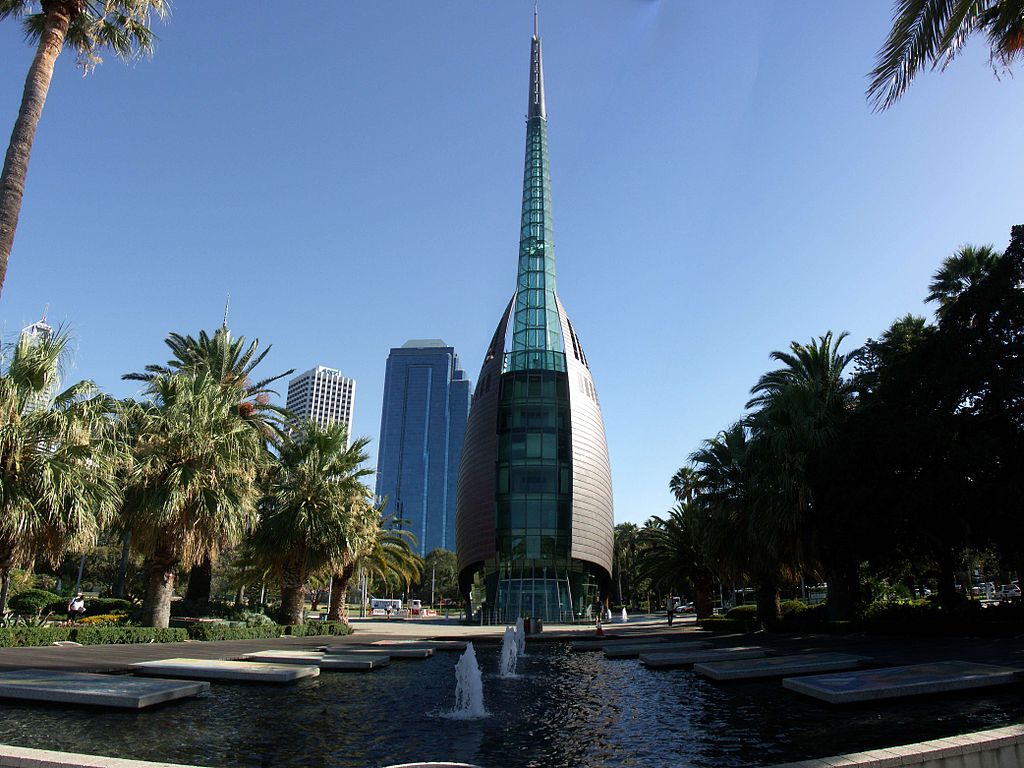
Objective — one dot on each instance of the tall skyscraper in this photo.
(534, 525)
(422, 423)
(35, 333)
(322, 395)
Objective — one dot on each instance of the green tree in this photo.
(390, 558)
(626, 546)
(86, 26)
(230, 361)
(194, 489)
(58, 457)
(966, 268)
(800, 411)
(314, 512)
(930, 33)
(674, 558)
(441, 566)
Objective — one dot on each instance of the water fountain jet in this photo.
(509, 653)
(469, 687)
(520, 637)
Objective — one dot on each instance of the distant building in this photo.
(422, 423)
(37, 332)
(322, 395)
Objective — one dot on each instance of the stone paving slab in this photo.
(632, 651)
(336, 662)
(778, 666)
(601, 644)
(661, 660)
(26, 757)
(218, 669)
(86, 688)
(394, 651)
(909, 680)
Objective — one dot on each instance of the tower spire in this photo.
(536, 106)
(537, 333)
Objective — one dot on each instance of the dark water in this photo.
(565, 710)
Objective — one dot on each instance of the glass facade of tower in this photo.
(533, 536)
(423, 421)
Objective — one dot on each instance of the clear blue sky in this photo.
(350, 174)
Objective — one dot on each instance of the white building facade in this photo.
(322, 395)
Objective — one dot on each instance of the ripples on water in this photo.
(563, 710)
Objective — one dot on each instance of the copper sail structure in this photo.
(534, 519)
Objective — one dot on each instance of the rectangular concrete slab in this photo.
(394, 651)
(599, 644)
(339, 663)
(632, 651)
(777, 666)
(86, 688)
(909, 680)
(218, 669)
(661, 660)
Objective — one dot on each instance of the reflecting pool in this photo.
(561, 710)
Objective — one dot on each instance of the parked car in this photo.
(1008, 591)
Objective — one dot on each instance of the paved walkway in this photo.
(882, 650)
(116, 658)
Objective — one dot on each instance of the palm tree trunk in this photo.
(200, 582)
(769, 610)
(293, 597)
(37, 85)
(338, 610)
(122, 568)
(5, 586)
(156, 607)
(703, 602)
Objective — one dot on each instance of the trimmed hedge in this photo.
(102, 606)
(127, 635)
(313, 628)
(12, 637)
(725, 624)
(210, 631)
(744, 612)
(104, 619)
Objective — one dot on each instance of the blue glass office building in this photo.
(422, 423)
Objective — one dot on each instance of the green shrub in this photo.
(107, 605)
(256, 619)
(211, 631)
(36, 601)
(789, 607)
(745, 612)
(725, 624)
(11, 637)
(105, 619)
(313, 628)
(127, 635)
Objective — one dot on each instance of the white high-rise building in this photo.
(37, 332)
(322, 395)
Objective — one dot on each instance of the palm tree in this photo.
(315, 512)
(228, 360)
(86, 26)
(674, 557)
(959, 273)
(58, 457)
(194, 489)
(625, 544)
(801, 409)
(389, 557)
(932, 33)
